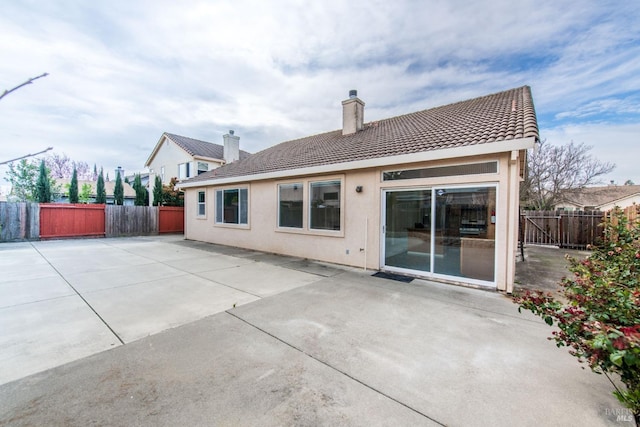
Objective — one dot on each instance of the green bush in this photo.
(598, 313)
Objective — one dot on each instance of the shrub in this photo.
(598, 317)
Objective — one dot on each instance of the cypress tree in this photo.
(73, 188)
(43, 186)
(118, 191)
(141, 192)
(101, 193)
(157, 191)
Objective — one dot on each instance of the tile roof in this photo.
(506, 115)
(597, 196)
(198, 148)
(109, 186)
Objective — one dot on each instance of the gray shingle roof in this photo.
(506, 115)
(597, 196)
(196, 147)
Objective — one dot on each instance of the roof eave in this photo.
(446, 153)
(619, 199)
(209, 159)
(155, 149)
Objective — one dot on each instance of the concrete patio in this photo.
(201, 334)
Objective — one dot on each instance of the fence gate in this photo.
(566, 229)
(541, 228)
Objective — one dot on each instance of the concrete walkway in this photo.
(306, 344)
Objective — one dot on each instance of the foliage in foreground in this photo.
(600, 320)
(171, 196)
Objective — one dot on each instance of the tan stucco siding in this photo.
(359, 239)
(169, 156)
(263, 233)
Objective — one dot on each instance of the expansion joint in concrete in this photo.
(79, 294)
(335, 368)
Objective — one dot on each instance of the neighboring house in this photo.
(601, 198)
(176, 156)
(129, 193)
(432, 194)
(144, 179)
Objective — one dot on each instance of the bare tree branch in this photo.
(28, 155)
(28, 82)
(555, 172)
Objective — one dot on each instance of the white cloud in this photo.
(614, 143)
(123, 72)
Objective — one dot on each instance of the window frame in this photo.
(306, 206)
(243, 207)
(300, 186)
(199, 170)
(440, 171)
(201, 204)
(340, 196)
(187, 170)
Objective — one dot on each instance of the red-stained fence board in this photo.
(171, 219)
(59, 220)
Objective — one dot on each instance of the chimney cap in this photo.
(231, 131)
(353, 93)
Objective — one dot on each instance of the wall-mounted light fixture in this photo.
(359, 189)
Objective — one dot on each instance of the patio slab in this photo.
(143, 309)
(45, 334)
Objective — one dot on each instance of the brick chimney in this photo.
(352, 114)
(231, 147)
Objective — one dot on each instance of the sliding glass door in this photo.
(448, 231)
(408, 229)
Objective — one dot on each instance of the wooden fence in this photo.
(171, 219)
(19, 221)
(32, 221)
(130, 220)
(566, 229)
(632, 213)
(60, 220)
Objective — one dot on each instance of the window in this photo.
(232, 206)
(183, 170)
(290, 205)
(162, 173)
(469, 169)
(324, 201)
(201, 203)
(202, 167)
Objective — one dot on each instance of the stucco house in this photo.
(432, 194)
(181, 157)
(602, 198)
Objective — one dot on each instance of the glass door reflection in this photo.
(408, 229)
(465, 232)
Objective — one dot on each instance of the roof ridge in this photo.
(188, 137)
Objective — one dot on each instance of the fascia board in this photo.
(155, 149)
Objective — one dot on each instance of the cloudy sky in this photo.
(123, 72)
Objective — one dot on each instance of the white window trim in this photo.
(302, 185)
(306, 207)
(199, 203)
(408, 181)
(215, 211)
